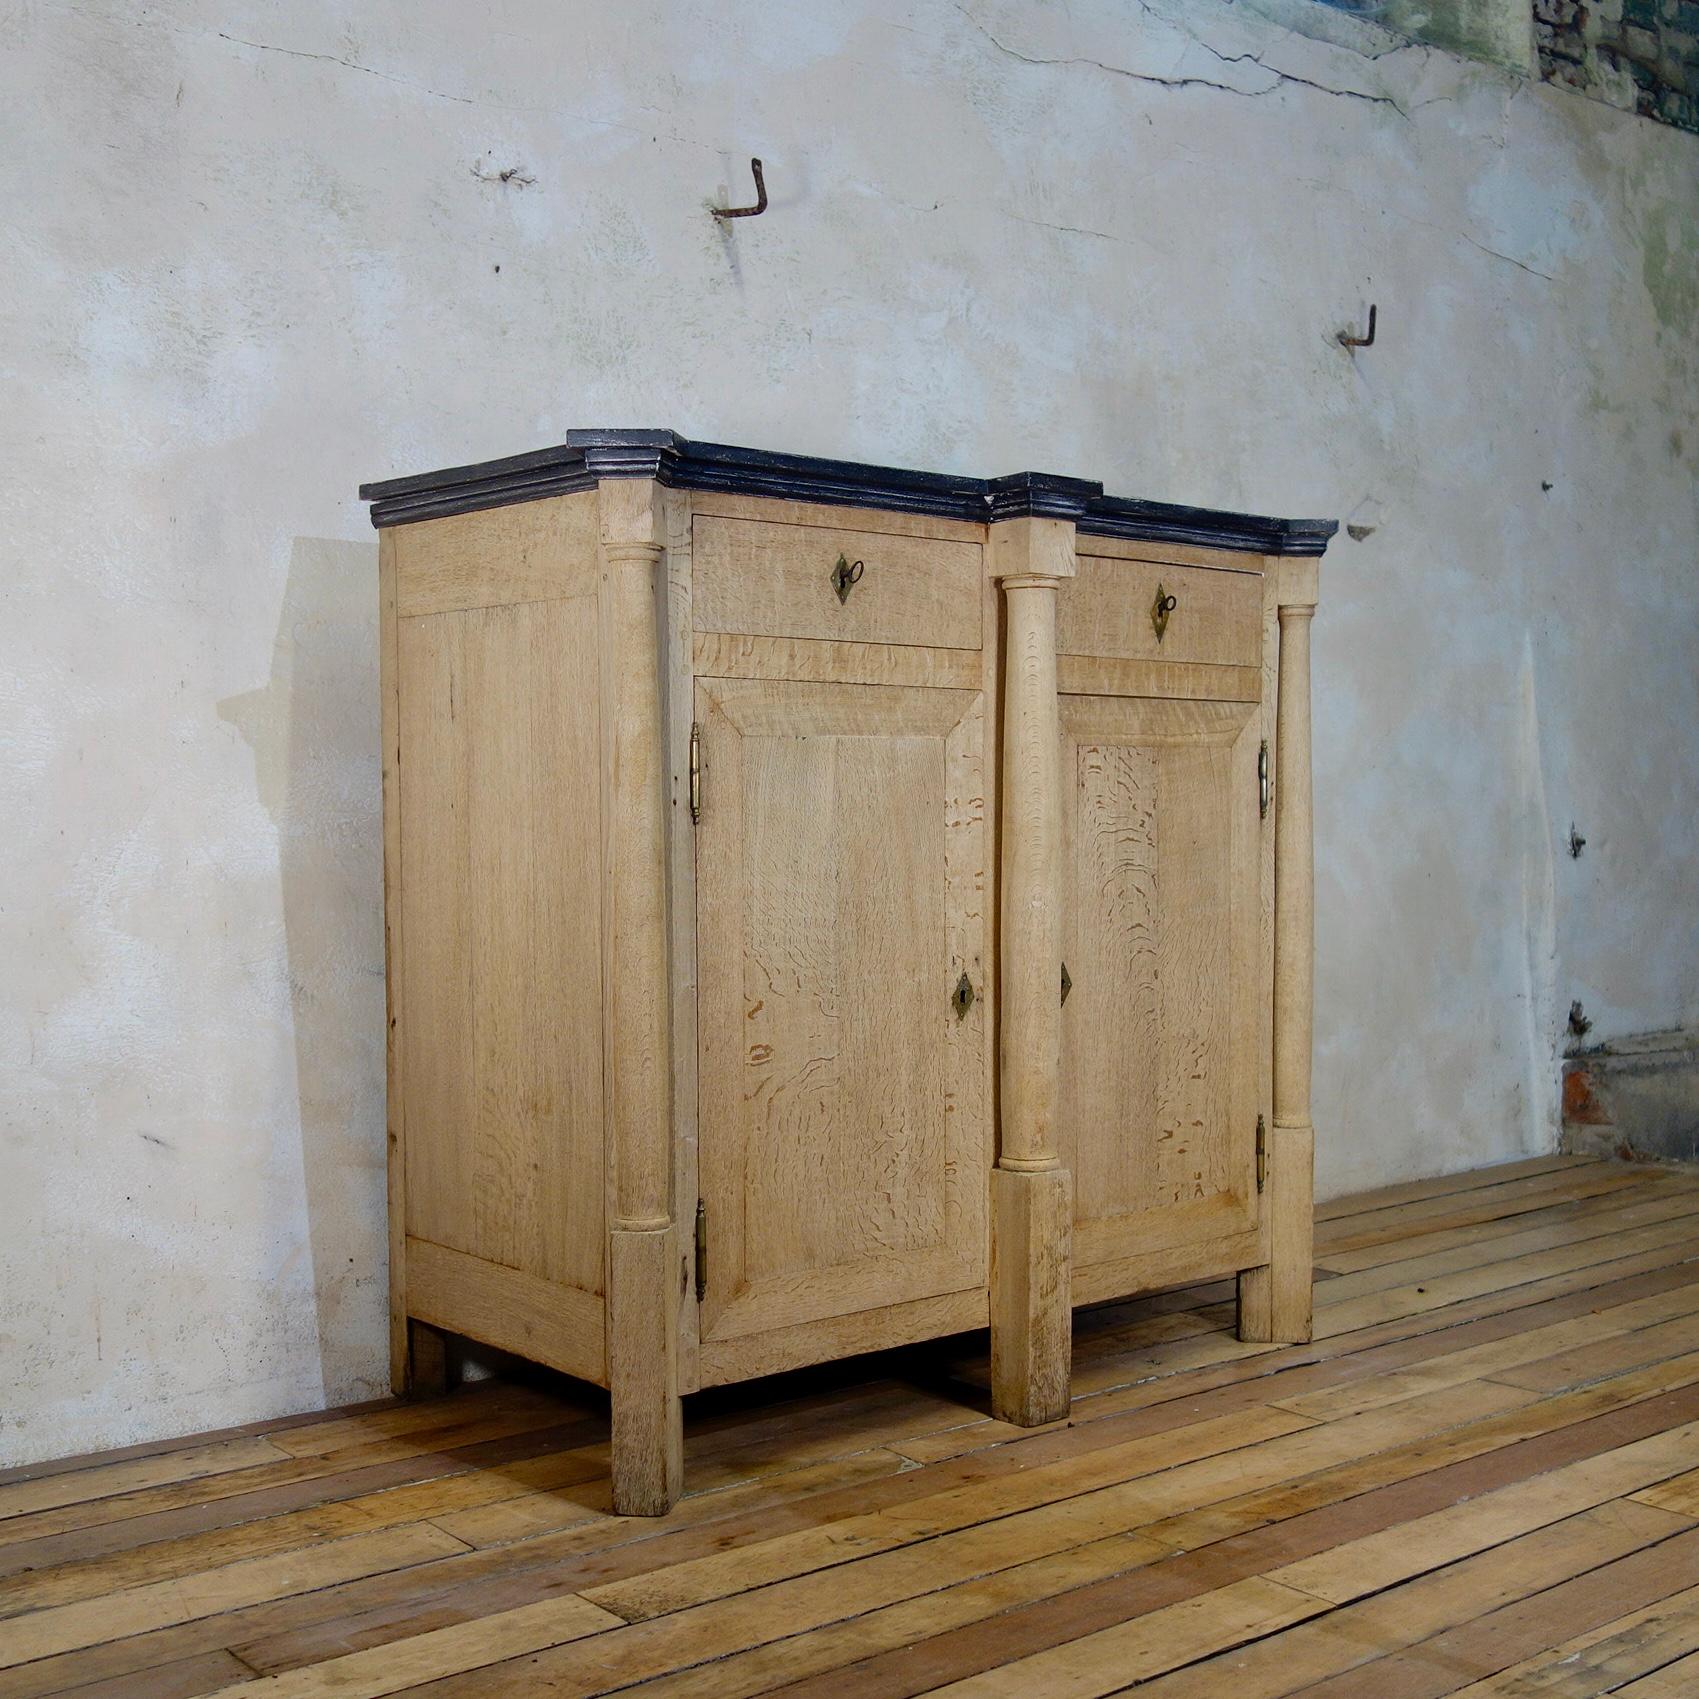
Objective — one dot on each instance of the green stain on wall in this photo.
(1670, 268)
(1497, 31)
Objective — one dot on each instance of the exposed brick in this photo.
(1580, 1101)
(1637, 55)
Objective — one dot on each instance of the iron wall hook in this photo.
(1347, 340)
(747, 211)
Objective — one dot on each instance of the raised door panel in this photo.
(500, 1007)
(844, 1135)
(1161, 1027)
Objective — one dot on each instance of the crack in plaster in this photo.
(348, 65)
(1280, 77)
(1532, 271)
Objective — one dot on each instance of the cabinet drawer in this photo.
(758, 579)
(1106, 610)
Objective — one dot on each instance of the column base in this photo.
(648, 1427)
(1031, 1314)
(1276, 1301)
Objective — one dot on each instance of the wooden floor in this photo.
(1482, 1479)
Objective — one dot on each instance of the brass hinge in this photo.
(701, 1249)
(1262, 780)
(696, 770)
(1262, 1154)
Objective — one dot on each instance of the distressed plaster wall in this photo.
(256, 253)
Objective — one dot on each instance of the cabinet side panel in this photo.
(500, 1061)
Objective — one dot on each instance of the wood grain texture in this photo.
(1376, 1515)
(542, 551)
(607, 1010)
(635, 1006)
(844, 1128)
(1030, 1298)
(1275, 1299)
(1106, 610)
(773, 580)
(1160, 1062)
(1100, 675)
(548, 1321)
(502, 1088)
(725, 655)
(886, 522)
(1177, 554)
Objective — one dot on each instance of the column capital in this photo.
(1297, 584)
(633, 520)
(1031, 552)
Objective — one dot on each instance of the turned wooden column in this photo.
(644, 1267)
(1275, 1301)
(1031, 1193)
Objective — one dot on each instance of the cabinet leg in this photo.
(1031, 1317)
(644, 1272)
(432, 1364)
(1275, 1301)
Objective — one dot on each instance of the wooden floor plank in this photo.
(1480, 1476)
(1409, 1613)
(1136, 1651)
(188, 1679)
(1602, 1659)
(479, 1505)
(85, 1486)
(1342, 1306)
(1490, 1359)
(440, 1454)
(1380, 1560)
(1502, 1638)
(1677, 1680)
(431, 1656)
(381, 1608)
(1448, 1185)
(1599, 1359)
(1595, 1218)
(1656, 1189)
(1492, 1203)
(1250, 1546)
(63, 1628)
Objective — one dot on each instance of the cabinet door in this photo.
(840, 878)
(1162, 941)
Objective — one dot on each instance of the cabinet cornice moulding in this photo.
(587, 457)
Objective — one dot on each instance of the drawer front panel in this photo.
(759, 579)
(1107, 610)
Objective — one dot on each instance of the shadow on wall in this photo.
(314, 733)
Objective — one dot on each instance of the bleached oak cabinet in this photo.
(830, 907)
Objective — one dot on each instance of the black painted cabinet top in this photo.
(588, 456)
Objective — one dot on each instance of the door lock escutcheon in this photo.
(846, 575)
(962, 1001)
(1161, 608)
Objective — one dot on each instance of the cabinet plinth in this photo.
(830, 907)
